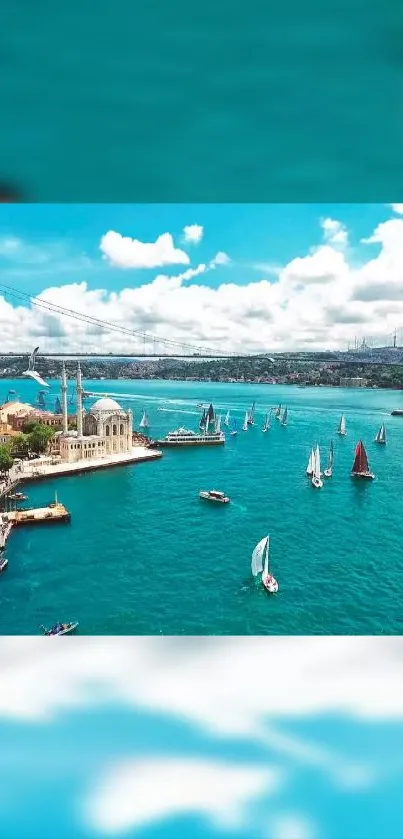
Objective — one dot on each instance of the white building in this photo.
(106, 429)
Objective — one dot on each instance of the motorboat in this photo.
(214, 495)
(61, 628)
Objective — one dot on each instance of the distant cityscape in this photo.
(381, 368)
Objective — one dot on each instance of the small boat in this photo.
(329, 468)
(226, 421)
(245, 422)
(214, 495)
(144, 422)
(381, 436)
(234, 430)
(283, 420)
(251, 415)
(266, 424)
(360, 466)
(3, 563)
(311, 464)
(60, 628)
(218, 425)
(18, 496)
(260, 565)
(200, 405)
(316, 475)
(277, 414)
(203, 420)
(342, 426)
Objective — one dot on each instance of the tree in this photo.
(19, 445)
(6, 461)
(39, 438)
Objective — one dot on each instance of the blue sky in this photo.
(286, 277)
(96, 734)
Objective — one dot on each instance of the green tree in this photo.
(39, 438)
(6, 461)
(19, 445)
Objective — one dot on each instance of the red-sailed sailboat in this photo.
(360, 466)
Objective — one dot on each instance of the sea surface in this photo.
(158, 102)
(144, 555)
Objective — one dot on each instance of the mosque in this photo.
(106, 429)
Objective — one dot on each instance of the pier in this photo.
(53, 513)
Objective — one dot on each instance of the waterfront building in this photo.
(106, 429)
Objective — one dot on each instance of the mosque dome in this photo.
(106, 404)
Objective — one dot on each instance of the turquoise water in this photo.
(161, 102)
(144, 555)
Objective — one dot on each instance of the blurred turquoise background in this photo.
(216, 102)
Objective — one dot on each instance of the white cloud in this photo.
(397, 208)
(217, 684)
(124, 252)
(193, 233)
(321, 299)
(138, 793)
(291, 826)
(334, 231)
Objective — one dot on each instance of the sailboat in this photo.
(245, 422)
(381, 436)
(342, 426)
(360, 466)
(311, 463)
(226, 421)
(284, 417)
(266, 424)
(40, 398)
(278, 412)
(144, 422)
(260, 565)
(203, 421)
(58, 407)
(218, 425)
(316, 476)
(234, 429)
(251, 415)
(329, 468)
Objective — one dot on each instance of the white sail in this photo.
(381, 436)
(258, 556)
(311, 463)
(245, 424)
(266, 559)
(226, 421)
(218, 424)
(316, 468)
(342, 425)
(266, 423)
(144, 420)
(284, 419)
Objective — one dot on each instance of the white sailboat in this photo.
(342, 426)
(226, 421)
(311, 463)
(266, 424)
(329, 468)
(234, 429)
(251, 414)
(245, 422)
(381, 436)
(260, 565)
(144, 422)
(278, 413)
(284, 417)
(316, 476)
(218, 424)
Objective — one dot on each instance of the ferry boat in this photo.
(398, 412)
(183, 437)
(215, 495)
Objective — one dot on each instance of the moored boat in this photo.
(361, 466)
(215, 496)
(260, 565)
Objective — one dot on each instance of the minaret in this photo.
(64, 399)
(79, 402)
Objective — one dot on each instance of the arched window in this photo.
(122, 430)
(114, 430)
(107, 430)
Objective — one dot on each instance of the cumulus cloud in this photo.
(291, 826)
(124, 252)
(321, 299)
(334, 231)
(397, 208)
(193, 233)
(139, 793)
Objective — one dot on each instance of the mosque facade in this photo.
(106, 429)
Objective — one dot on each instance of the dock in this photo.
(42, 515)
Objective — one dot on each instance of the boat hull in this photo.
(214, 500)
(366, 476)
(170, 444)
(3, 565)
(270, 584)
